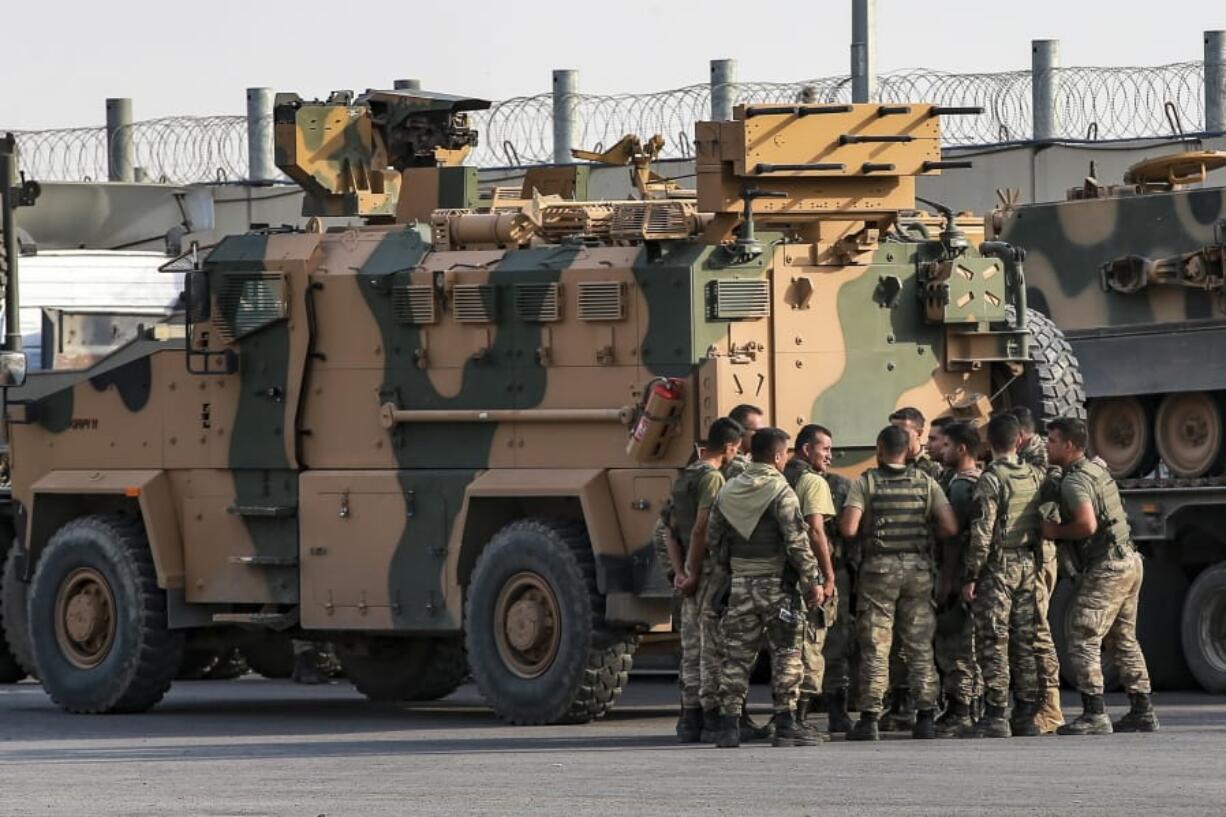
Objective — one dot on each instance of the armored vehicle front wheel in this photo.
(98, 619)
(15, 658)
(405, 669)
(537, 641)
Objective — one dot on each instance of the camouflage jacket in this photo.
(1006, 513)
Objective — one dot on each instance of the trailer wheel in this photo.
(1160, 625)
(537, 642)
(98, 619)
(1059, 617)
(406, 669)
(1204, 628)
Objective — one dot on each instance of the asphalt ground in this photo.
(258, 747)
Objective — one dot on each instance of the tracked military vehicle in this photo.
(440, 440)
(1133, 272)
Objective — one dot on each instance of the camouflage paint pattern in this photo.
(1104, 615)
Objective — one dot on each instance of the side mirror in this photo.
(12, 368)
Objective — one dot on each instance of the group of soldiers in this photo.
(924, 582)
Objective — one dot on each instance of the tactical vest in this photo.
(1112, 538)
(839, 549)
(766, 541)
(897, 512)
(964, 534)
(795, 469)
(1017, 516)
(685, 499)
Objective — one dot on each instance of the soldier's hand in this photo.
(814, 598)
(968, 592)
(685, 584)
(820, 594)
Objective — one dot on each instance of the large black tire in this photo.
(271, 656)
(406, 669)
(1160, 625)
(11, 669)
(109, 554)
(1052, 385)
(582, 675)
(1059, 618)
(1204, 628)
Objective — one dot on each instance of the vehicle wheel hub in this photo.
(527, 624)
(85, 618)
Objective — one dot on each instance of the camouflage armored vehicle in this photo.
(1133, 273)
(440, 440)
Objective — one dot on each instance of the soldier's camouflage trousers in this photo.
(759, 606)
(895, 592)
(690, 676)
(1104, 612)
(955, 654)
(839, 648)
(711, 586)
(1006, 616)
(812, 655)
(1044, 647)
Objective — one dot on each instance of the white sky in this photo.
(177, 58)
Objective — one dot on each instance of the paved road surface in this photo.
(256, 747)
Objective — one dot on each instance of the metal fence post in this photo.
(1215, 81)
(261, 167)
(565, 97)
(723, 89)
(120, 149)
(10, 249)
(1044, 86)
(406, 84)
(863, 50)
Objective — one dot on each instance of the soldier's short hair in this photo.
(767, 442)
(943, 422)
(1003, 432)
(893, 441)
(963, 434)
(724, 431)
(1025, 418)
(808, 435)
(743, 412)
(909, 414)
(1071, 429)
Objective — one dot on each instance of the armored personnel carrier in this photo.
(440, 440)
(1133, 273)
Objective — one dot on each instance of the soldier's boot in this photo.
(750, 731)
(1050, 716)
(1140, 717)
(837, 719)
(993, 724)
(925, 725)
(689, 725)
(710, 726)
(804, 708)
(1022, 721)
(729, 734)
(820, 703)
(866, 728)
(788, 732)
(1092, 721)
(901, 717)
(955, 720)
(306, 668)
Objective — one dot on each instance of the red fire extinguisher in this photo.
(659, 414)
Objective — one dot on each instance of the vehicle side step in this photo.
(276, 511)
(275, 621)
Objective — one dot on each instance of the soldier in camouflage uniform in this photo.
(1104, 606)
(955, 640)
(750, 418)
(898, 505)
(685, 521)
(758, 533)
(1032, 449)
(838, 653)
(1000, 573)
(814, 450)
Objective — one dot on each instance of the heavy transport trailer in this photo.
(441, 440)
(1133, 275)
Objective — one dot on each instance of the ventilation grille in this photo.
(538, 303)
(414, 304)
(473, 303)
(249, 302)
(738, 299)
(602, 301)
(652, 221)
(559, 221)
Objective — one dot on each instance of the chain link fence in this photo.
(1091, 104)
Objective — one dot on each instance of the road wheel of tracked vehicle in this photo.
(14, 617)
(271, 656)
(1204, 628)
(98, 619)
(401, 669)
(1051, 386)
(1120, 433)
(1160, 625)
(537, 642)
(1060, 619)
(1189, 433)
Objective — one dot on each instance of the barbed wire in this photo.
(1091, 104)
